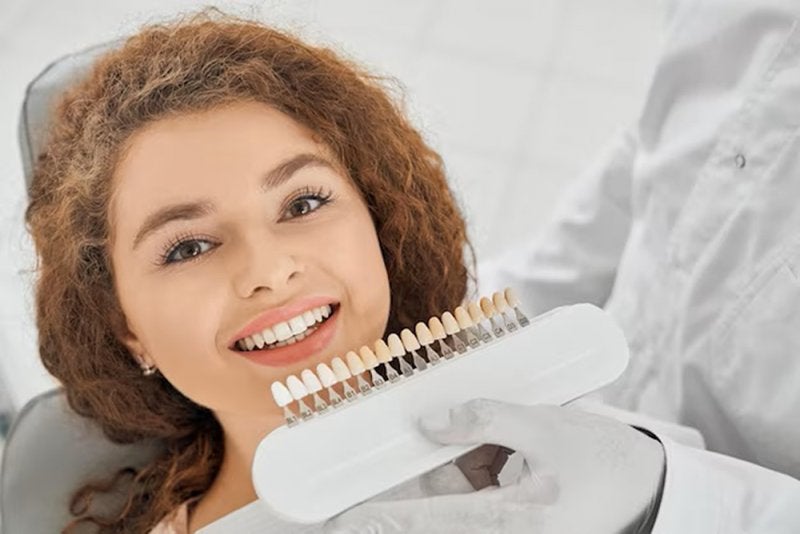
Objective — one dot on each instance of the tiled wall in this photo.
(516, 94)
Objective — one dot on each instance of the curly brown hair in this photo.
(187, 65)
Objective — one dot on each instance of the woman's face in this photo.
(230, 222)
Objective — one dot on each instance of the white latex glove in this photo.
(585, 474)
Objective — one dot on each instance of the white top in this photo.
(255, 518)
(687, 229)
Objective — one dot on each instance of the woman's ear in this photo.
(136, 348)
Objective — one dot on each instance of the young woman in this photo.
(209, 179)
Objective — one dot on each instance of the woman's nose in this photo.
(264, 266)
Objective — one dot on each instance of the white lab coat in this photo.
(687, 230)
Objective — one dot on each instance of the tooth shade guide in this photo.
(463, 318)
(487, 307)
(436, 328)
(475, 312)
(513, 301)
(424, 335)
(450, 324)
(382, 430)
(499, 301)
(405, 352)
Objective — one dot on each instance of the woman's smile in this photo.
(297, 338)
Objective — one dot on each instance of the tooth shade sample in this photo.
(409, 341)
(296, 388)
(368, 357)
(475, 312)
(311, 381)
(511, 297)
(354, 363)
(463, 318)
(382, 351)
(499, 301)
(395, 345)
(281, 394)
(437, 329)
(282, 331)
(424, 335)
(487, 307)
(325, 374)
(340, 369)
(450, 323)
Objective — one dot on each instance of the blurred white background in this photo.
(517, 95)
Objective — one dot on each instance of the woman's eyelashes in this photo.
(184, 248)
(183, 243)
(305, 201)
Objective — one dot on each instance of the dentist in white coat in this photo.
(687, 230)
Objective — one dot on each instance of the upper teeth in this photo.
(287, 329)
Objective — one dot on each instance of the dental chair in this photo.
(51, 451)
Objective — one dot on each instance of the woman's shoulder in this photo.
(175, 523)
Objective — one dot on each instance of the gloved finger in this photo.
(509, 510)
(487, 421)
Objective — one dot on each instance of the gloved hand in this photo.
(584, 474)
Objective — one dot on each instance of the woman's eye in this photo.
(187, 250)
(303, 206)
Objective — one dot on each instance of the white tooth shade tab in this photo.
(395, 345)
(487, 307)
(450, 323)
(511, 297)
(340, 369)
(499, 301)
(475, 312)
(311, 381)
(437, 329)
(463, 318)
(354, 363)
(382, 351)
(281, 394)
(326, 375)
(409, 341)
(298, 325)
(424, 335)
(282, 331)
(296, 388)
(368, 357)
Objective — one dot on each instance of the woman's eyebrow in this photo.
(202, 208)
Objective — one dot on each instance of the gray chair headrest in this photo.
(41, 96)
(50, 452)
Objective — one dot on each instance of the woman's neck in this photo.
(233, 486)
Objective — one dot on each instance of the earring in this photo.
(147, 370)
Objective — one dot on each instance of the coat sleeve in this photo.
(575, 256)
(705, 492)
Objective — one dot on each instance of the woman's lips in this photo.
(300, 350)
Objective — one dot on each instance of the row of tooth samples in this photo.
(399, 356)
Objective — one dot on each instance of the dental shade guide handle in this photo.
(322, 466)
